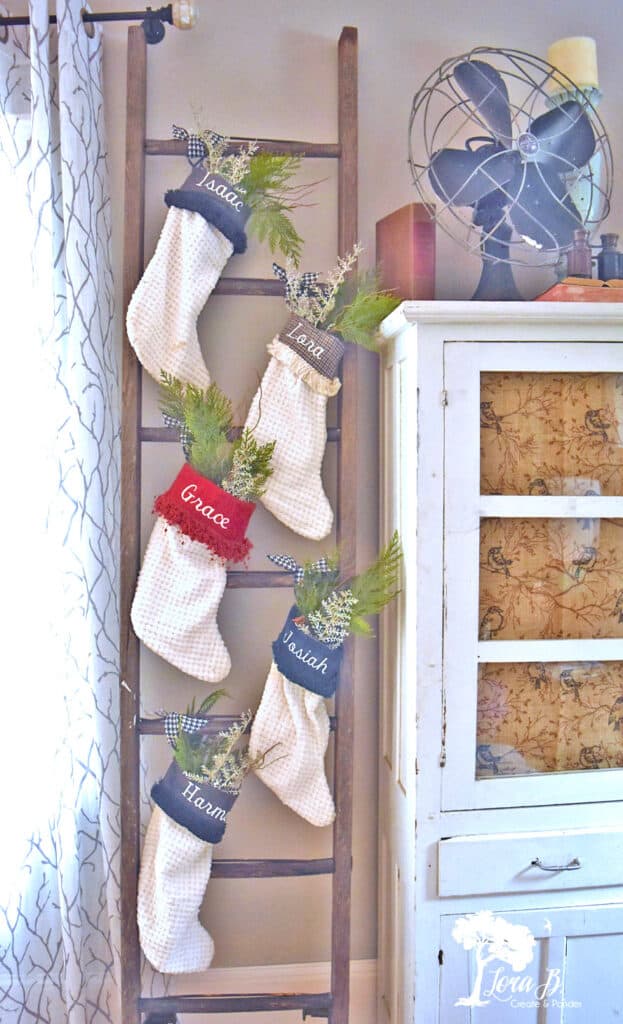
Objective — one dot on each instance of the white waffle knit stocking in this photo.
(293, 724)
(175, 605)
(290, 407)
(175, 869)
(162, 315)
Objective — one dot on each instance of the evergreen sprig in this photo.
(265, 181)
(360, 306)
(216, 759)
(351, 305)
(377, 586)
(204, 420)
(272, 197)
(330, 610)
(250, 467)
(315, 586)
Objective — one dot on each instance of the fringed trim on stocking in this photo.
(206, 513)
(301, 369)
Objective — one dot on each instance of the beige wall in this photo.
(268, 68)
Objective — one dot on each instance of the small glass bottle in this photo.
(579, 256)
(609, 260)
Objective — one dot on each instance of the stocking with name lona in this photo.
(290, 405)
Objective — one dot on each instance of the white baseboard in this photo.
(284, 978)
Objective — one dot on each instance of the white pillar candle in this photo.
(576, 57)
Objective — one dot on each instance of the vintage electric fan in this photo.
(505, 163)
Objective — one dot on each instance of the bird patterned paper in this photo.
(550, 579)
(551, 433)
(549, 718)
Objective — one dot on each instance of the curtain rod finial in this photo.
(184, 14)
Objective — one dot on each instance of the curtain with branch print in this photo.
(59, 858)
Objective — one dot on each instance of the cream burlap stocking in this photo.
(291, 407)
(294, 723)
(175, 870)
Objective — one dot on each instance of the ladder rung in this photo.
(170, 434)
(249, 286)
(255, 579)
(271, 868)
(281, 147)
(214, 724)
(227, 1003)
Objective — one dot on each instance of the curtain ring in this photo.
(89, 27)
(5, 37)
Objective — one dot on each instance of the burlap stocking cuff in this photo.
(302, 369)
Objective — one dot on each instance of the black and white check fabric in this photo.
(186, 438)
(196, 148)
(187, 723)
(289, 564)
(306, 284)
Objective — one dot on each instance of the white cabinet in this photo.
(501, 733)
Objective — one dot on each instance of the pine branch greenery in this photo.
(331, 610)
(265, 181)
(216, 759)
(360, 309)
(351, 305)
(272, 197)
(204, 421)
(377, 586)
(315, 586)
(250, 467)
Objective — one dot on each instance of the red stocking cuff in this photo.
(205, 512)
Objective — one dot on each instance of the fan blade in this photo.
(542, 210)
(462, 176)
(486, 89)
(566, 138)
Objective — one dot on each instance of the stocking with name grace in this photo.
(204, 225)
(293, 720)
(189, 818)
(290, 407)
(199, 528)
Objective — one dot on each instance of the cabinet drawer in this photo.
(471, 865)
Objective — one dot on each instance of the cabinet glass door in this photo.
(533, 666)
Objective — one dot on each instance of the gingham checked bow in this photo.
(187, 723)
(196, 148)
(298, 571)
(305, 284)
(186, 438)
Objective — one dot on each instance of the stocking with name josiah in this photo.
(293, 717)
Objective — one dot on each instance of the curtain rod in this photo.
(180, 13)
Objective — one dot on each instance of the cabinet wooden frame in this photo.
(422, 713)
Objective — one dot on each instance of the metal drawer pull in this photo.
(573, 865)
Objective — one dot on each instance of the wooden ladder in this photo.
(332, 1004)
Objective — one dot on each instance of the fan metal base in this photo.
(497, 284)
